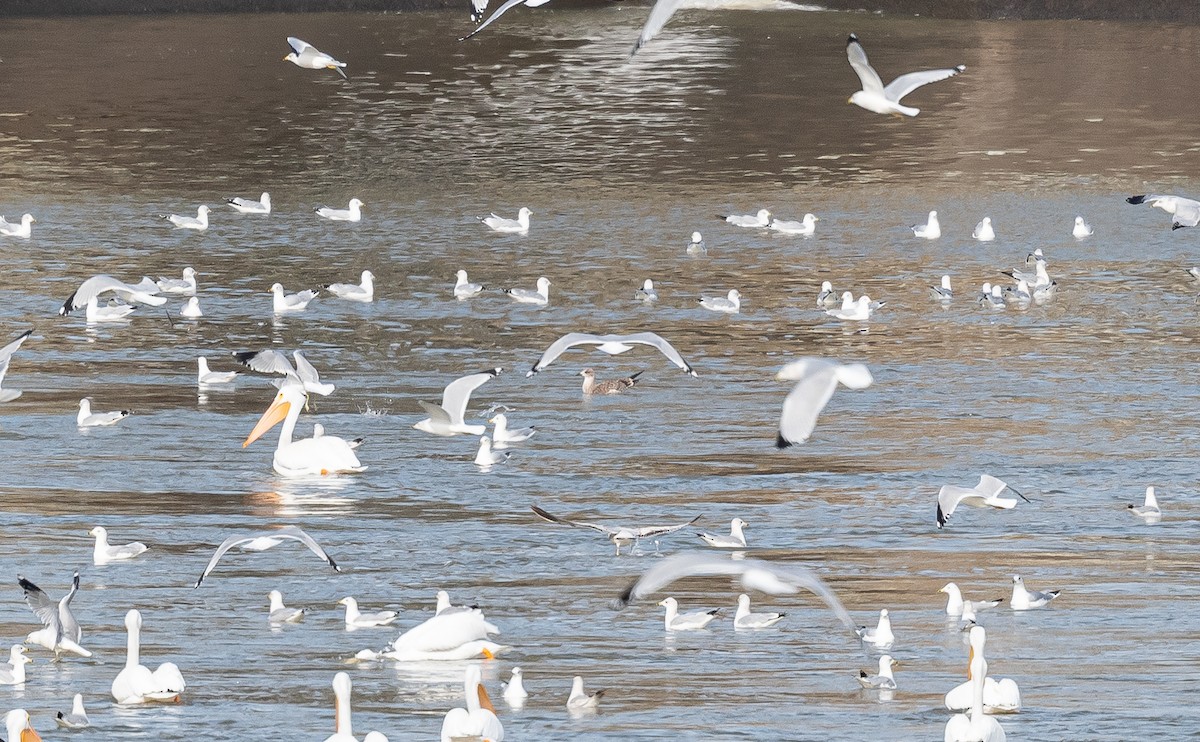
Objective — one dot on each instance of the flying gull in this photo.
(263, 541)
(447, 419)
(874, 96)
(611, 344)
(816, 378)
(619, 535)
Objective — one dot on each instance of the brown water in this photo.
(1079, 404)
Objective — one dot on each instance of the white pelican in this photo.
(1149, 509)
(983, 495)
(307, 456)
(205, 376)
(502, 434)
(266, 540)
(744, 619)
(609, 386)
(6, 354)
(447, 419)
(248, 206)
(735, 540)
(198, 223)
(539, 296)
(77, 719)
(358, 620)
(514, 690)
(478, 719)
(612, 345)
(463, 288)
(646, 293)
(520, 225)
(309, 57)
(343, 725)
(879, 99)
(816, 379)
(282, 303)
(884, 680)
(17, 230)
(579, 699)
(956, 606)
(444, 634)
(107, 313)
(191, 310)
(1081, 229)
(361, 292)
(88, 419)
(14, 674)
(142, 293)
(729, 304)
(185, 286)
(274, 362)
(279, 613)
(352, 212)
(619, 535)
(975, 726)
(676, 621)
(806, 227)
(16, 723)
(881, 636)
(1024, 600)
(1003, 697)
(931, 229)
(136, 684)
(761, 219)
(104, 552)
(62, 632)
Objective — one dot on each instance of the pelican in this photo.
(974, 726)
(343, 729)
(16, 722)
(307, 456)
(136, 684)
(478, 719)
(448, 635)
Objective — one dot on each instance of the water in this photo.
(1080, 403)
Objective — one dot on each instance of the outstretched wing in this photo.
(225, 546)
(804, 403)
(70, 627)
(648, 531)
(7, 351)
(42, 606)
(659, 15)
(653, 339)
(435, 413)
(298, 45)
(573, 523)
(905, 84)
(1187, 214)
(295, 533)
(266, 362)
(866, 73)
(499, 12)
(560, 346)
(457, 393)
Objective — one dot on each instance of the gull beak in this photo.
(492, 420)
(849, 100)
(285, 57)
(272, 417)
(484, 701)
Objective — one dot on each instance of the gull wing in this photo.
(648, 531)
(950, 496)
(437, 414)
(989, 485)
(905, 84)
(266, 362)
(7, 351)
(817, 380)
(289, 532)
(293, 532)
(309, 375)
(70, 627)
(656, 341)
(574, 523)
(225, 546)
(1187, 214)
(659, 15)
(560, 346)
(298, 45)
(499, 12)
(866, 73)
(97, 285)
(457, 393)
(42, 606)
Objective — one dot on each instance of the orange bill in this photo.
(272, 417)
(484, 701)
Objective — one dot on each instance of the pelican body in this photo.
(327, 454)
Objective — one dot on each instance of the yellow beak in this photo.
(285, 57)
(272, 417)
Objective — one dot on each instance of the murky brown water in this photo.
(1080, 403)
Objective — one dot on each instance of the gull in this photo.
(735, 540)
(1024, 600)
(191, 310)
(1039, 277)
(14, 674)
(198, 223)
(185, 286)
(1185, 210)
(361, 292)
(975, 726)
(104, 552)
(991, 296)
(443, 605)
(520, 225)
(610, 344)
(501, 435)
(859, 310)
(875, 97)
(1035, 257)
(986, 494)
(6, 354)
(62, 632)
(881, 636)
(352, 212)
(97, 285)
(476, 721)
(753, 574)
(646, 293)
(730, 304)
(486, 457)
(540, 296)
(580, 700)
(464, 289)
(957, 607)
(1020, 294)
(477, 8)
(514, 690)
(761, 219)
(357, 620)
(1001, 697)
(279, 613)
(274, 362)
(676, 621)
(266, 540)
(319, 431)
(611, 386)
(309, 57)
(696, 245)
(1149, 510)
(816, 379)
(942, 293)
(805, 227)
(447, 419)
(77, 719)
(109, 313)
(283, 303)
(509, 5)
(17, 230)
(619, 535)
(1082, 229)
(136, 684)
(744, 619)
(931, 229)
(983, 230)
(249, 206)
(18, 726)
(884, 680)
(826, 297)
(88, 419)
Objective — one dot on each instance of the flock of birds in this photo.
(463, 632)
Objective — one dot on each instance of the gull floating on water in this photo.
(875, 97)
(114, 313)
(309, 57)
(464, 289)
(6, 354)
(1149, 510)
(88, 419)
(931, 229)
(761, 219)
(248, 206)
(352, 212)
(191, 310)
(816, 379)
(991, 296)
(1035, 257)
(957, 607)
(358, 620)
(262, 541)
(514, 690)
(580, 700)
(361, 292)
(646, 293)
(539, 296)
(1039, 277)
(827, 298)
(729, 304)
(185, 286)
(859, 310)
(1185, 210)
(14, 673)
(805, 227)
(198, 223)
(476, 721)
(744, 619)
(1024, 600)
(881, 636)
(274, 362)
(18, 230)
(884, 680)
(619, 535)
(443, 604)
(502, 435)
(207, 377)
(488, 458)
(676, 621)
(62, 632)
(77, 719)
(942, 293)
(447, 419)
(282, 303)
(278, 613)
(983, 230)
(97, 285)
(1082, 229)
(696, 245)
(610, 386)
(325, 455)
(735, 540)
(975, 726)
(986, 494)
(610, 344)
(135, 684)
(520, 225)
(104, 552)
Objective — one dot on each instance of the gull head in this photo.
(543, 284)
(764, 215)
(587, 372)
(826, 286)
(734, 295)
(355, 202)
(524, 212)
(810, 219)
(277, 288)
(291, 57)
(203, 209)
(98, 532)
(648, 285)
(669, 603)
(189, 272)
(696, 237)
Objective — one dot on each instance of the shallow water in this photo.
(1079, 404)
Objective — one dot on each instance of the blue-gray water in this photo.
(1080, 404)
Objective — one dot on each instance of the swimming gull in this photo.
(957, 607)
(191, 310)
(816, 379)
(206, 377)
(278, 613)
(610, 344)
(185, 286)
(761, 219)
(975, 725)
(488, 458)
(984, 231)
(478, 719)
(520, 225)
(502, 435)
(875, 97)
(14, 672)
(97, 285)
(309, 57)
(580, 700)
(735, 540)
(619, 535)
(135, 684)
(1082, 229)
(77, 718)
(198, 223)
(18, 230)
(6, 354)
(805, 227)
(104, 552)
(463, 288)
(884, 680)
(108, 313)
(355, 619)
(282, 303)
(352, 212)
(250, 206)
(646, 293)
(881, 636)
(271, 361)
(1149, 509)
(696, 245)
(1024, 600)
(443, 604)
(447, 419)
(991, 296)
(673, 620)
(942, 293)
(931, 229)
(729, 304)
(859, 310)
(1039, 277)
(1185, 210)
(539, 296)
(62, 632)
(263, 540)
(827, 297)
(610, 386)
(88, 419)
(514, 690)
(744, 619)
(361, 292)
(986, 494)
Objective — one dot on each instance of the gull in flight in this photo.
(447, 419)
(816, 379)
(875, 97)
(249, 206)
(92, 288)
(352, 212)
(610, 344)
(205, 377)
(676, 621)
(806, 227)
(881, 636)
(729, 304)
(735, 540)
(610, 386)
(540, 296)
(88, 419)
(309, 57)
(62, 632)
(1149, 510)
(266, 540)
(278, 613)
(580, 700)
(463, 288)
(986, 494)
(520, 225)
(761, 219)
(273, 362)
(198, 223)
(619, 535)
(6, 354)
(1024, 600)
(1082, 229)
(104, 552)
(17, 230)
(884, 680)
(477, 8)
(282, 303)
(77, 719)
(358, 620)
(983, 230)
(185, 286)
(361, 292)
(942, 293)
(744, 619)
(507, 6)
(931, 229)
(1185, 210)
(754, 574)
